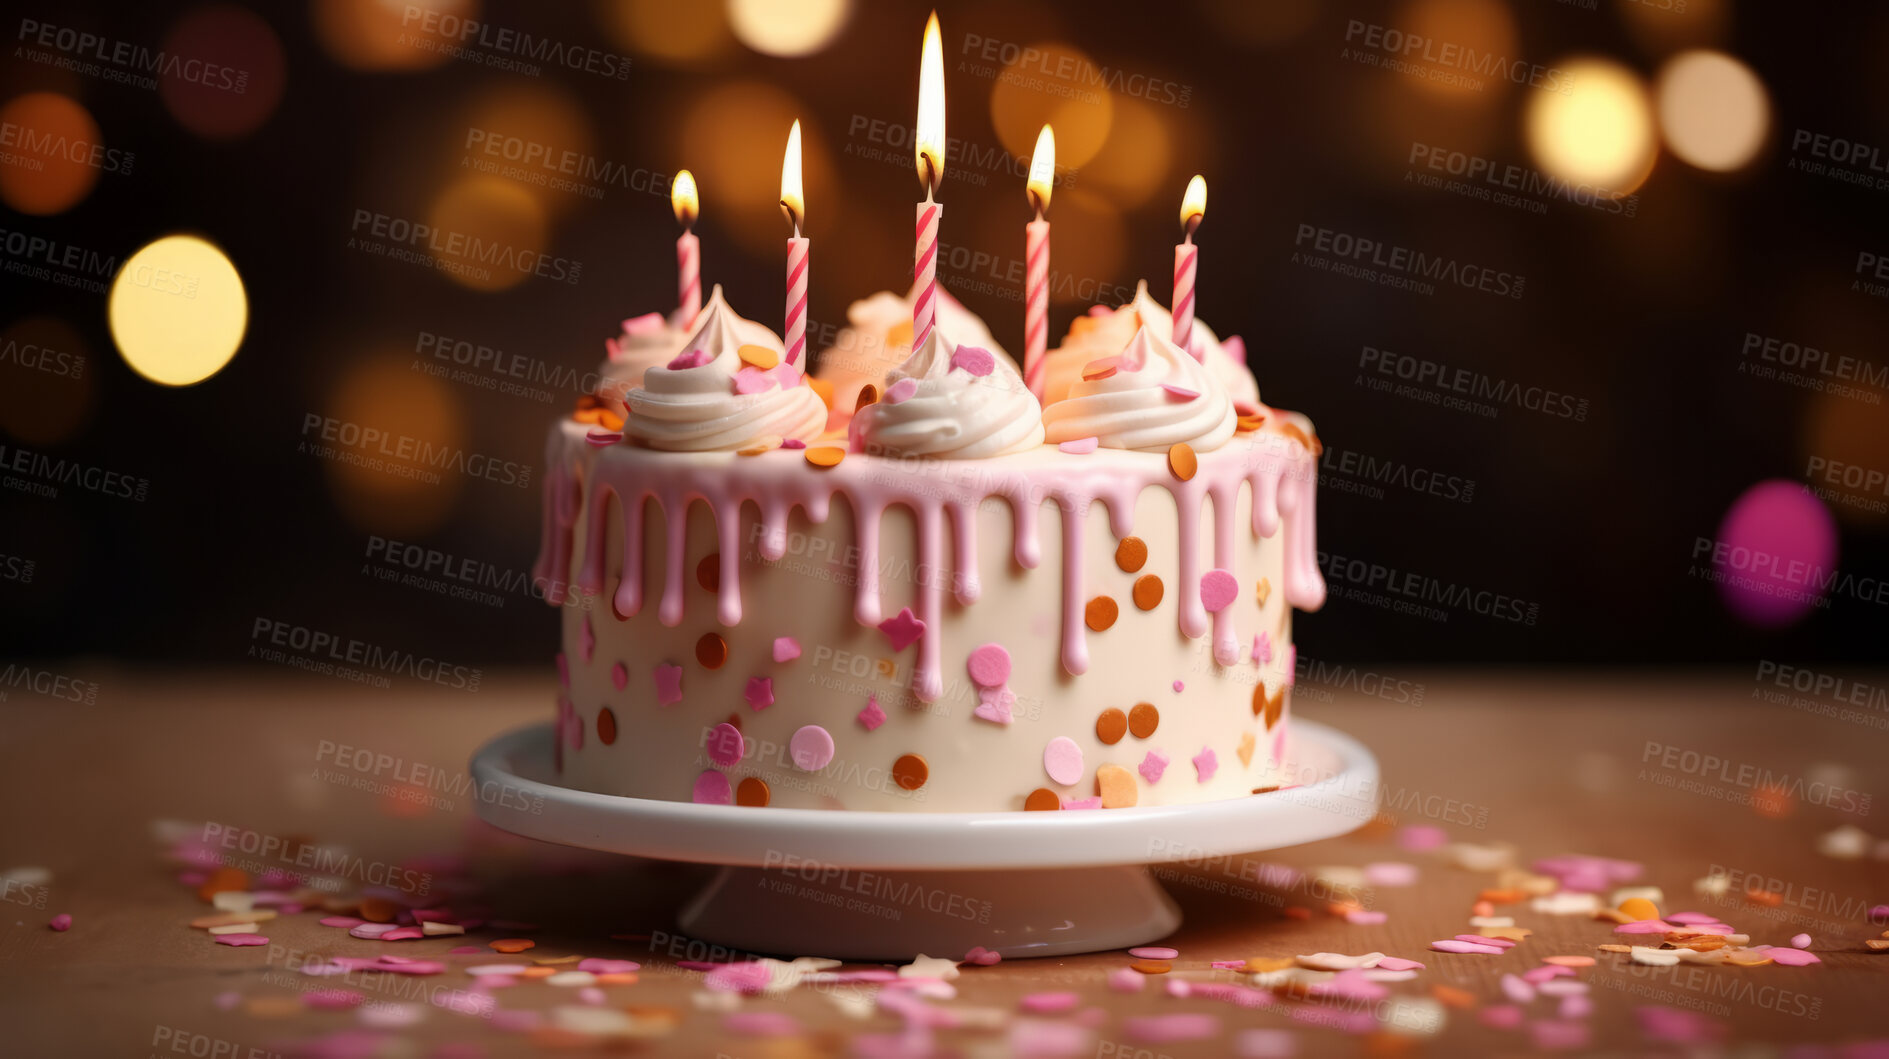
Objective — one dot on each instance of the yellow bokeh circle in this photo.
(178, 310)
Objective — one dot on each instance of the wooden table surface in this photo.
(1685, 774)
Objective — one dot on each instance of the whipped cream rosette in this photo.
(1105, 331)
(950, 401)
(647, 341)
(878, 338)
(1150, 397)
(729, 387)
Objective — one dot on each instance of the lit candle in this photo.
(1186, 260)
(1036, 262)
(930, 139)
(794, 205)
(683, 199)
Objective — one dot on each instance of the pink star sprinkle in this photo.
(903, 629)
(1218, 590)
(993, 704)
(1080, 446)
(619, 676)
(759, 692)
(1233, 346)
(1083, 803)
(989, 665)
(901, 391)
(786, 649)
(1206, 763)
(751, 379)
(974, 359)
(1062, 759)
(1153, 765)
(1179, 393)
(694, 358)
(1262, 648)
(871, 717)
(668, 685)
(711, 788)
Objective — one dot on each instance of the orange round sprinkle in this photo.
(591, 416)
(588, 400)
(223, 879)
(537, 972)
(1101, 613)
(1639, 908)
(1182, 461)
(609, 420)
(1143, 720)
(617, 978)
(910, 771)
(1116, 785)
(1151, 966)
(711, 650)
(759, 356)
(708, 572)
(868, 394)
(378, 910)
(1041, 800)
(826, 456)
(1111, 725)
(1148, 591)
(764, 443)
(1131, 553)
(753, 791)
(512, 945)
(606, 726)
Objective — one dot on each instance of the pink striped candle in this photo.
(683, 199)
(794, 205)
(1036, 265)
(929, 154)
(925, 272)
(1187, 261)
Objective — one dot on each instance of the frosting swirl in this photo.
(1105, 331)
(878, 338)
(708, 399)
(647, 341)
(952, 402)
(1156, 397)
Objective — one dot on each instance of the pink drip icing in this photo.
(1279, 472)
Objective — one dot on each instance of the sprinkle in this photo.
(1147, 591)
(989, 665)
(1639, 908)
(753, 792)
(1125, 980)
(811, 748)
(589, 641)
(983, 957)
(1083, 803)
(1182, 461)
(910, 771)
(607, 726)
(1131, 554)
(1042, 800)
(901, 391)
(1080, 446)
(974, 359)
(233, 928)
(711, 788)
(994, 705)
(1179, 393)
(1453, 945)
(599, 439)
(1206, 763)
(1116, 786)
(711, 650)
(1101, 368)
(725, 745)
(754, 380)
(824, 456)
(1390, 873)
(1482, 939)
(1653, 957)
(871, 716)
(1151, 966)
(1179, 686)
(1100, 613)
(759, 356)
(793, 443)
(1110, 725)
(1245, 751)
(239, 940)
(668, 684)
(1153, 765)
(1154, 952)
(434, 929)
(1801, 941)
(1361, 916)
(1062, 759)
(1500, 1016)
(1049, 1003)
(1218, 589)
(786, 649)
(1792, 957)
(764, 443)
(619, 676)
(1398, 963)
(759, 692)
(330, 921)
(62, 922)
(1517, 990)
(694, 358)
(923, 966)
(902, 629)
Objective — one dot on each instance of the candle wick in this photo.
(1193, 222)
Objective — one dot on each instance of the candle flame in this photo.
(1043, 169)
(683, 199)
(930, 138)
(1194, 203)
(793, 201)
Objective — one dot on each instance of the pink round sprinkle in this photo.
(1062, 759)
(1218, 590)
(725, 745)
(1801, 941)
(61, 922)
(598, 965)
(793, 443)
(901, 391)
(341, 921)
(1180, 393)
(1049, 1003)
(974, 359)
(1398, 963)
(1453, 945)
(989, 665)
(711, 788)
(1390, 873)
(619, 676)
(1154, 952)
(1126, 980)
(811, 748)
(240, 940)
(1179, 686)
(1792, 957)
(1080, 446)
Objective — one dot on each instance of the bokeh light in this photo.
(238, 77)
(1776, 543)
(45, 380)
(1599, 131)
(390, 491)
(384, 35)
(732, 139)
(54, 176)
(1713, 110)
(674, 34)
(1668, 25)
(1043, 84)
(1846, 452)
(787, 28)
(1472, 27)
(489, 234)
(178, 310)
(526, 129)
(1134, 161)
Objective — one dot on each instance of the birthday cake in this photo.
(949, 598)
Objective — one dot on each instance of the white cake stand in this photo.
(888, 886)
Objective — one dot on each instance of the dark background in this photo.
(1593, 521)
